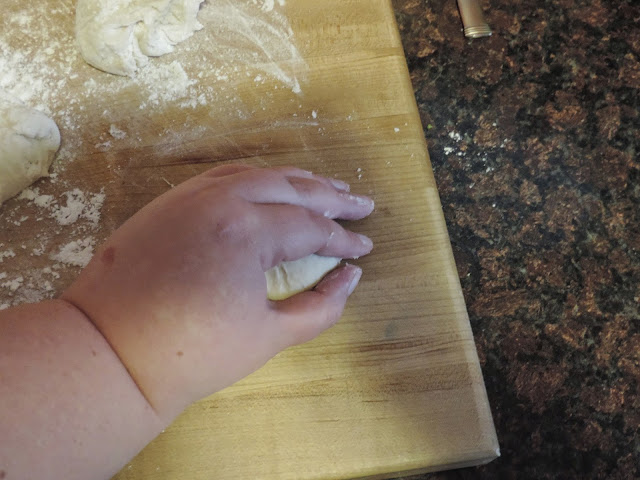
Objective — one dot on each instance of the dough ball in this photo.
(28, 142)
(289, 278)
(118, 36)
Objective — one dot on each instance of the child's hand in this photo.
(179, 290)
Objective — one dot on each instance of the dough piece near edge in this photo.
(289, 278)
(28, 142)
(119, 36)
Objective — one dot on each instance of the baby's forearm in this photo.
(69, 409)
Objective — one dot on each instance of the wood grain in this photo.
(395, 386)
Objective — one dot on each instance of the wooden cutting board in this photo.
(395, 386)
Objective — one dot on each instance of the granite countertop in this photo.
(534, 136)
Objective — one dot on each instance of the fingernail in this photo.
(357, 273)
(340, 185)
(366, 241)
(360, 200)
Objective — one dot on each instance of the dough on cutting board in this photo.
(119, 36)
(28, 142)
(289, 278)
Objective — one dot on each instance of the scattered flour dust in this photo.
(116, 133)
(77, 216)
(6, 254)
(77, 205)
(267, 5)
(172, 76)
(76, 252)
(40, 65)
(14, 284)
(255, 34)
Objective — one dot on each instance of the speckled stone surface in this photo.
(534, 136)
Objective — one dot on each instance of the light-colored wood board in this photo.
(396, 385)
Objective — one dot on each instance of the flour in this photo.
(43, 201)
(37, 287)
(116, 133)
(75, 212)
(21, 20)
(250, 37)
(455, 136)
(458, 148)
(14, 284)
(77, 205)
(267, 5)
(76, 252)
(243, 41)
(174, 80)
(7, 254)
(40, 65)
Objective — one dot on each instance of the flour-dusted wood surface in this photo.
(396, 385)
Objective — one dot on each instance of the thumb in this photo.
(305, 315)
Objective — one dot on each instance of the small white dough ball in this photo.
(289, 278)
(118, 36)
(28, 142)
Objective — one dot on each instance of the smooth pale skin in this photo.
(160, 319)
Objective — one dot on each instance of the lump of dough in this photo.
(118, 36)
(28, 142)
(289, 278)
